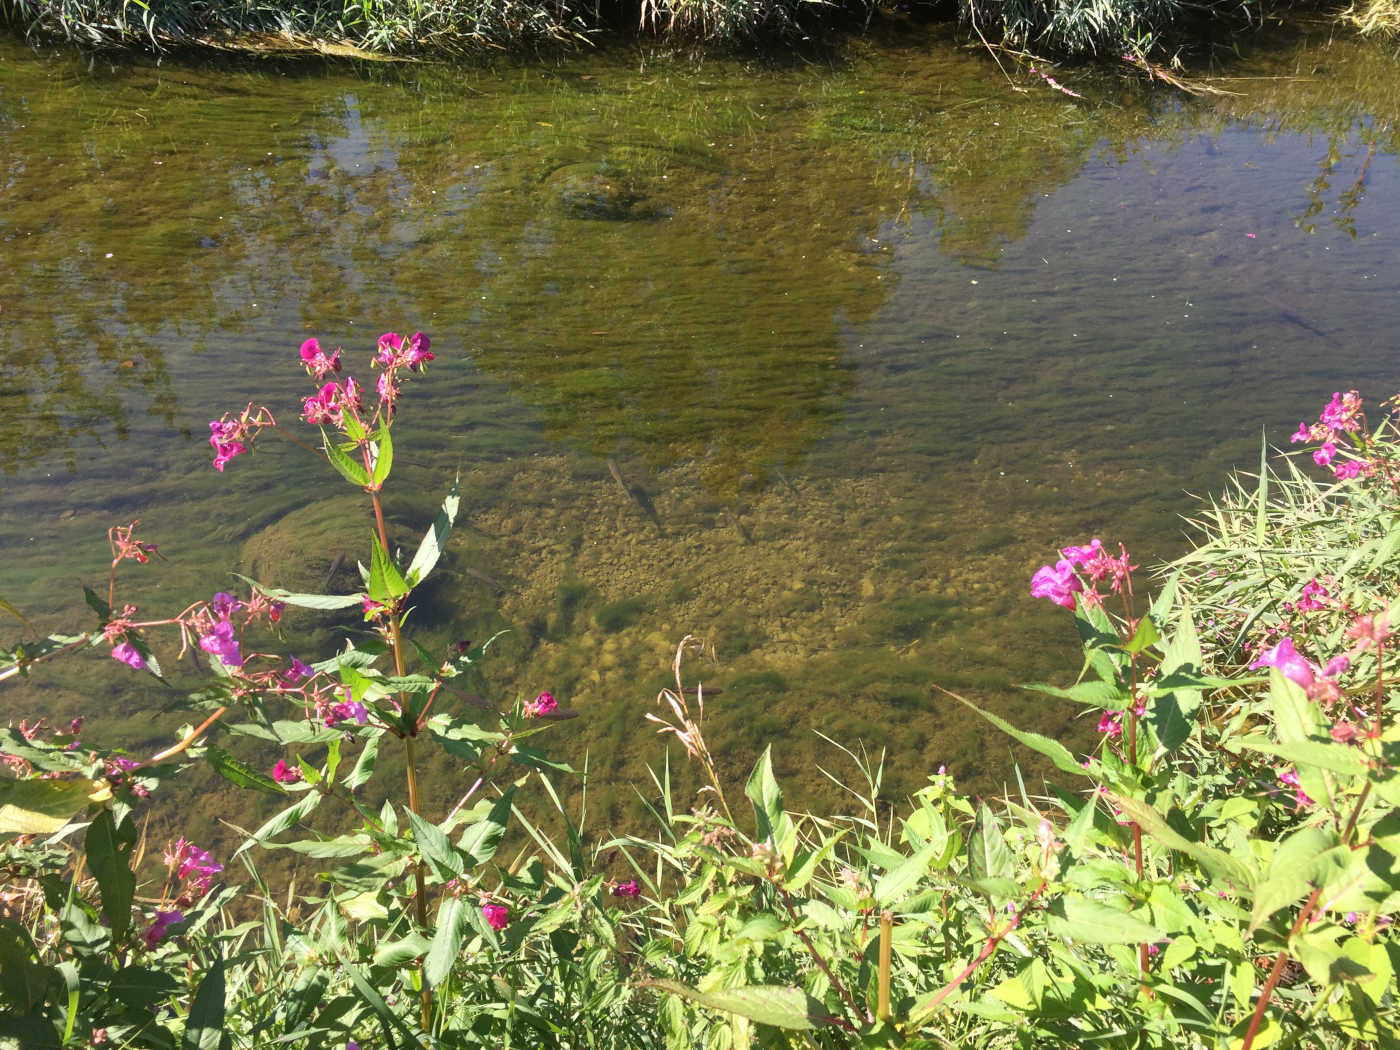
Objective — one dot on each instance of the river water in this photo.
(819, 360)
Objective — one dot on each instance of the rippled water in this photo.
(819, 362)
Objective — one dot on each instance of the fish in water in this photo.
(637, 495)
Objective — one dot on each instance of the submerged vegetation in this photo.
(1107, 29)
(1219, 868)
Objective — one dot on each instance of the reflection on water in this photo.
(821, 363)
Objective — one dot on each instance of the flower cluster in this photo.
(542, 705)
(396, 354)
(627, 890)
(232, 437)
(1077, 566)
(317, 364)
(1320, 683)
(216, 633)
(188, 864)
(285, 774)
(1340, 417)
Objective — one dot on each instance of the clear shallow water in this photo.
(874, 337)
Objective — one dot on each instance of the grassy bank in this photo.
(1146, 29)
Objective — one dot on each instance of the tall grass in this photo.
(1105, 28)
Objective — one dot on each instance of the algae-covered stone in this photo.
(314, 549)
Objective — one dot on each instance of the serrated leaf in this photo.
(1106, 696)
(98, 605)
(383, 456)
(431, 547)
(447, 941)
(987, 854)
(41, 807)
(282, 821)
(350, 469)
(1306, 858)
(435, 847)
(1055, 751)
(1302, 753)
(1089, 921)
(240, 773)
(1216, 862)
(480, 840)
(364, 765)
(385, 584)
(896, 882)
(767, 797)
(1145, 635)
(770, 1004)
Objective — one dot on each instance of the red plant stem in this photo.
(982, 956)
(1133, 756)
(1268, 990)
(857, 1014)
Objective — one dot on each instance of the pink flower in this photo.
(1079, 556)
(1323, 456)
(497, 916)
(298, 672)
(1352, 468)
(1302, 434)
(417, 355)
(155, 933)
(221, 643)
(389, 345)
(542, 705)
(188, 862)
(1111, 724)
(1059, 584)
(224, 437)
(285, 774)
(127, 654)
(317, 363)
(1290, 663)
(344, 712)
(627, 889)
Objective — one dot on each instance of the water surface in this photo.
(867, 338)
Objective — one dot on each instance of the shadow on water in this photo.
(820, 362)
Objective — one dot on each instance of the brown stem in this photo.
(882, 1009)
(193, 735)
(1268, 990)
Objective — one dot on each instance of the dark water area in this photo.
(819, 362)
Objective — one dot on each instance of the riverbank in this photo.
(1144, 30)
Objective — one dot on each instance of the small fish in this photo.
(637, 495)
(336, 566)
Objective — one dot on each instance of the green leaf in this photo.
(396, 953)
(447, 941)
(24, 981)
(383, 456)
(1145, 635)
(41, 807)
(239, 773)
(987, 855)
(204, 1028)
(767, 798)
(1093, 922)
(436, 848)
(98, 605)
(109, 847)
(805, 863)
(282, 821)
(351, 470)
(1306, 858)
(899, 879)
(480, 840)
(1295, 716)
(1304, 753)
(1218, 863)
(388, 1020)
(1055, 751)
(142, 989)
(364, 765)
(1106, 696)
(431, 547)
(771, 1004)
(385, 583)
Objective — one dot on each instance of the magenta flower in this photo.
(317, 363)
(344, 712)
(497, 916)
(155, 933)
(627, 889)
(1290, 663)
(128, 654)
(389, 345)
(417, 355)
(1323, 456)
(1111, 724)
(1059, 584)
(298, 672)
(285, 774)
(223, 605)
(1080, 556)
(1352, 468)
(542, 705)
(221, 643)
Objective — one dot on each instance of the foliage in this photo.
(1220, 870)
(1106, 28)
